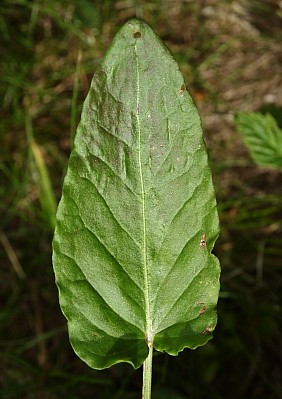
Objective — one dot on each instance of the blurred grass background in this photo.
(230, 53)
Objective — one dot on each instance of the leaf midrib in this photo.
(149, 332)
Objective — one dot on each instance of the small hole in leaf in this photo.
(182, 88)
(137, 35)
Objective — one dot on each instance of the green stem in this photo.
(147, 374)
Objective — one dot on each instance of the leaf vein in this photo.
(181, 295)
(89, 282)
(110, 211)
(149, 333)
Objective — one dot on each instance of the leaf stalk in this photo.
(147, 374)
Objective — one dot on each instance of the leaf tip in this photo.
(137, 27)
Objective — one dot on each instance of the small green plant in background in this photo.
(262, 136)
(137, 220)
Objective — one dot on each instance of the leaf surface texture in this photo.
(137, 220)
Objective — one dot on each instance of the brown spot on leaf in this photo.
(202, 311)
(203, 241)
(207, 330)
(137, 35)
(182, 89)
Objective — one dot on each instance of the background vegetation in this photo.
(230, 54)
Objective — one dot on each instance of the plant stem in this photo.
(147, 374)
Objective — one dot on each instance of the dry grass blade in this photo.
(47, 197)
(12, 255)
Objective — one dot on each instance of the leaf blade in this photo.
(137, 199)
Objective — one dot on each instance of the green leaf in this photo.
(137, 220)
(262, 136)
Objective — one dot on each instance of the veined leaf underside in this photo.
(137, 198)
